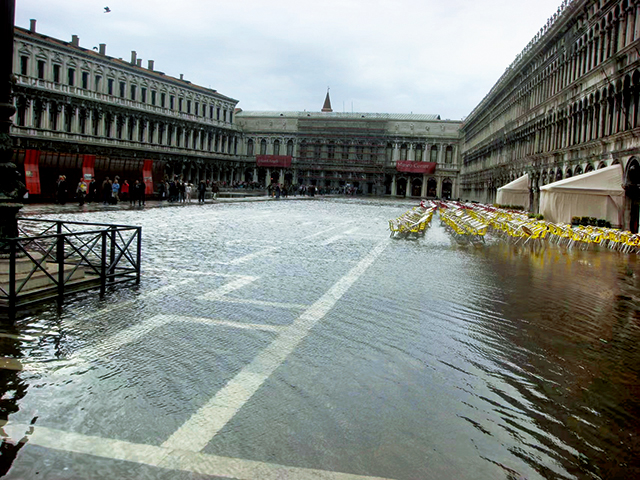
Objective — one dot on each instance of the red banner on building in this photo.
(270, 161)
(32, 171)
(147, 176)
(88, 165)
(416, 167)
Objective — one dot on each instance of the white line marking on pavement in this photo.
(230, 287)
(320, 232)
(338, 237)
(158, 291)
(251, 256)
(290, 306)
(225, 323)
(171, 459)
(198, 431)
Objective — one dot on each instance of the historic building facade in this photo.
(380, 154)
(568, 104)
(81, 112)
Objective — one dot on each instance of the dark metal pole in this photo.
(103, 264)
(60, 261)
(139, 256)
(9, 185)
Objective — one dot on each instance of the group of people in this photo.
(111, 191)
(179, 190)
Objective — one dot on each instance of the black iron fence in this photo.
(50, 259)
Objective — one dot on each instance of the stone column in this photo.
(439, 187)
(396, 153)
(394, 190)
(423, 192)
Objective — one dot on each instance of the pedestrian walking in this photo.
(81, 191)
(187, 191)
(202, 189)
(115, 190)
(124, 191)
(61, 190)
(140, 192)
(106, 191)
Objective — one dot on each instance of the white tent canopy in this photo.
(515, 193)
(596, 194)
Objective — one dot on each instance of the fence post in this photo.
(112, 254)
(103, 264)
(60, 262)
(12, 276)
(139, 256)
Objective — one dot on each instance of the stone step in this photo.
(40, 279)
(23, 264)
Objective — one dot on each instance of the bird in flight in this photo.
(107, 9)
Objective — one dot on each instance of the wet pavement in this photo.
(295, 339)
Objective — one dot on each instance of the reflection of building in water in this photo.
(568, 104)
(12, 390)
(382, 154)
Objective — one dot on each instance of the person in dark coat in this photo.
(93, 190)
(202, 189)
(61, 190)
(139, 189)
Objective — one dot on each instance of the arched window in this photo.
(263, 147)
(250, 148)
(290, 148)
(276, 147)
(448, 157)
(434, 153)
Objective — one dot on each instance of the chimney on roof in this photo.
(103, 49)
(181, 76)
(133, 57)
(75, 40)
(139, 62)
(150, 65)
(32, 28)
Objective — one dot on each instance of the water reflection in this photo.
(572, 357)
(12, 390)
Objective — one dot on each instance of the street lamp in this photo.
(9, 185)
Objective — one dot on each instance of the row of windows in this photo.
(142, 94)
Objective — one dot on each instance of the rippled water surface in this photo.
(312, 341)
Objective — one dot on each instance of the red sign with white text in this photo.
(416, 167)
(273, 161)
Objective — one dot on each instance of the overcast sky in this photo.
(392, 56)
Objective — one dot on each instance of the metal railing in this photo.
(52, 258)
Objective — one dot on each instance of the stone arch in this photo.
(416, 187)
(578, 170)
(432, 187)
(401, 186)
(447, 188)
(632, 190)
(602, 165)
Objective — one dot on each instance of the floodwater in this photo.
(295, 339)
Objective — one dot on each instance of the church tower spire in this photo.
(327, 103)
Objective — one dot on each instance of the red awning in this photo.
(147, 176)
(32, 171)
(416, 167)
(273, 161)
